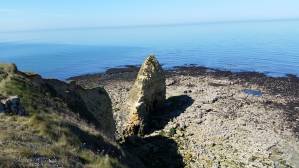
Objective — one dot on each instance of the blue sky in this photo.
(53, 14)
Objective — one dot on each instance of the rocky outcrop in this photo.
(147, 95)
(8, 68)
(93, 104)
(98, 103)
(12, 105)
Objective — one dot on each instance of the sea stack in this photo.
(146, 96)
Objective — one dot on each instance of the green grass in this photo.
(172, 132)
(46, 135)
(31, 96)
(47, 132)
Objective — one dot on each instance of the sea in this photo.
(270, 47)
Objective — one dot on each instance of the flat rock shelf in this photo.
(219, 118)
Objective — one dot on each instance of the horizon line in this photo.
(152, 25)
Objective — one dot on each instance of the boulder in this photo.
(12, 105)
(146, 96)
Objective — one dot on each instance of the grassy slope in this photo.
(51, 135)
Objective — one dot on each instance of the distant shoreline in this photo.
(287, 85)
(152, 25)
(194, 67)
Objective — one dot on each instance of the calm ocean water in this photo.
(268, 47)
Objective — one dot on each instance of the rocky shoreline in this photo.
(287, 85)
(213, 120)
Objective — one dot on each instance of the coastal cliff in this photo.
(195, 117)
(65, 125)
(68, 125)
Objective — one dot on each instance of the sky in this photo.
(59, 14)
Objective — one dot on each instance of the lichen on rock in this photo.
(146, 96)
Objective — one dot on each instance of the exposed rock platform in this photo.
(213, 121)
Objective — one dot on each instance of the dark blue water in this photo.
(268, 47)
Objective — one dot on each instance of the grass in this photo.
(24, 139)
(47, 133)
(172, 132)
(32, 97)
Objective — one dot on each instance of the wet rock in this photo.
(252, 92)
(147, 95)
